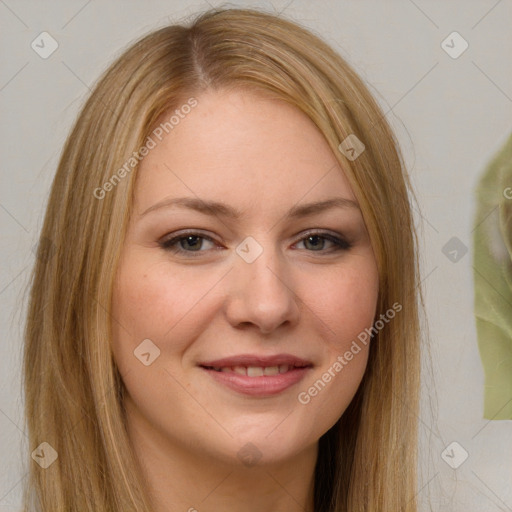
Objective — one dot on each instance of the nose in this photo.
(262, 294)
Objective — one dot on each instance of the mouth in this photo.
(258, 375)
(255, 371)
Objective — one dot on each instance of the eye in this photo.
(317, 241)
(192, 242)
(182, 243)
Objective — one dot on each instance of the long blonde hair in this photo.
(73, 390)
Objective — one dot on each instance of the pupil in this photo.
(192, 237)
(314, 237)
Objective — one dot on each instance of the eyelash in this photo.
(170, 244)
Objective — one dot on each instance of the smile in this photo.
(258, 376)
(254, 371)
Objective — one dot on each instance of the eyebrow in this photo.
(224, 210)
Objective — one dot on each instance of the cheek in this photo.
(349, 302)
(347, 308)
(150, 303)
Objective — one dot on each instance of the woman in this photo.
(193, 343)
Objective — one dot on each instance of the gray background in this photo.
(451, 116)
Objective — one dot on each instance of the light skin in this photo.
(303, 295)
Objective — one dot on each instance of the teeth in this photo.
(254, 371)
(271, 370)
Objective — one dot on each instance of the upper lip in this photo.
(257, 360)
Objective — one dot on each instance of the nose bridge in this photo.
(262, 291)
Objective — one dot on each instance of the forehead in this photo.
(242, 148)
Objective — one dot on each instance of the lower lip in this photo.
(266, 385)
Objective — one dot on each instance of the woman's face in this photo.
(240, 292)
